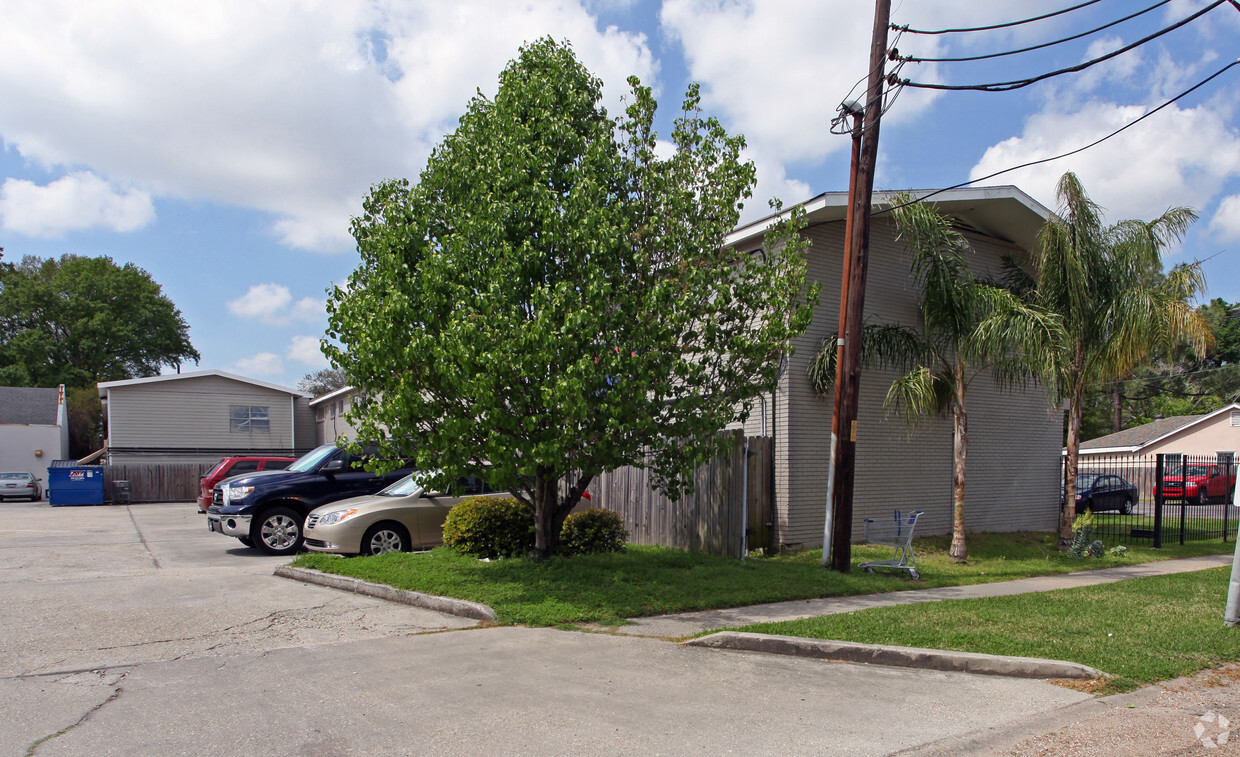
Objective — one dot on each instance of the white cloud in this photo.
(289, 107)
(78, 202)
(305, 349)
(1226, 221)
(262, 364)
(273, 304)
(1137, 174)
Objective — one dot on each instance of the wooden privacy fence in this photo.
(157, 482)
(708, 520)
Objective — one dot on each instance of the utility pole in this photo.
(852, 304)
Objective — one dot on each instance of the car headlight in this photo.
(233, 493)
(335, 516)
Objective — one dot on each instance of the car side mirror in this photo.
(333, 466)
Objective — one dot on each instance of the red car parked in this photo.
(235, 466)
(1198, 484)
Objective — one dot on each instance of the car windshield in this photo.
(1192, 470)
(410, 484)
(217, 467)
(1086, 480)
(311, 459)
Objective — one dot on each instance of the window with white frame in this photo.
(249, 419)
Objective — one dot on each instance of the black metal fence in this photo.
(1158, 499)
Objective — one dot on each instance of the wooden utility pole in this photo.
(848, 363)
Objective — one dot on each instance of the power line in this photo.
(1096, 142)
(912, 59)
(1007, 86)
(995, 26)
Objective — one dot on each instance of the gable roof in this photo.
(105, 385)
(24, 405)
(1004, 212)
(1133, 439)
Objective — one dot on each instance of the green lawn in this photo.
(1139, 631)
(643, 581)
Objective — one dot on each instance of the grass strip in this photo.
(1139, 631)
(643, 581)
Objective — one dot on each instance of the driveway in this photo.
(132, 630)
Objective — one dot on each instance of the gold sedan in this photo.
(401, 518)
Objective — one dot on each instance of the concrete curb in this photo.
(904, 657)
(459, 607)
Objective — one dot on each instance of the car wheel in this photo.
(385, 537)
(1201, 497)
(1126, 508)
(277, 531)
(246, 541)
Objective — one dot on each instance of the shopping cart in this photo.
(896, 532)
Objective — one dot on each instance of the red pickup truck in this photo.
(236, 466)
(1197, 484)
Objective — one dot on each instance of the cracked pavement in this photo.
(91, 594)
(134, 631)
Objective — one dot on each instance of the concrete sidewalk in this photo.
(688, 623)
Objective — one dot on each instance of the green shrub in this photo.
(490, 527)
(592, 531)
(1083, 535)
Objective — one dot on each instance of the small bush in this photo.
(592, 531)
(490, 527)
(1083, 535)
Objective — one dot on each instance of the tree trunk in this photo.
(550, 509)
(546, 530)
(960, 448)
(1070, 467)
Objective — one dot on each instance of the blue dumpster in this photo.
(71, 484)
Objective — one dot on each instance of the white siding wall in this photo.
(18, 444)
(193, 414)
(1013, 473)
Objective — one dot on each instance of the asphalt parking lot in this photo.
(132, 630)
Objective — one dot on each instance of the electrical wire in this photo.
(913, 59)
(1096, 142)
(996, 26)
(1019, 83)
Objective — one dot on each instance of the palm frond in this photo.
(886, 344)
(919, 394)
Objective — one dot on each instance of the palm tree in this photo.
(1115, 314)
(968, 328)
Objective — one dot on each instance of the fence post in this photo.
(1159, 497)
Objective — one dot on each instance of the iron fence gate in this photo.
(1157, 499)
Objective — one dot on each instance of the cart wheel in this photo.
(914, 574)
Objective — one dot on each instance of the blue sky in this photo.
(224, 146)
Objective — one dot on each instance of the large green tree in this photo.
(1115, 315)
(554, 298)
(78, 320)
(968, 328)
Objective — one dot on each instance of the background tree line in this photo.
(77, 321)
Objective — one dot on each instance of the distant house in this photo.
(34, 429)
(1015, 438)
(202, 416)
(329, 421)
(1206, 434)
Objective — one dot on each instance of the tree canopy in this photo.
(78, 320)
(554, 299)
(323, 381)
